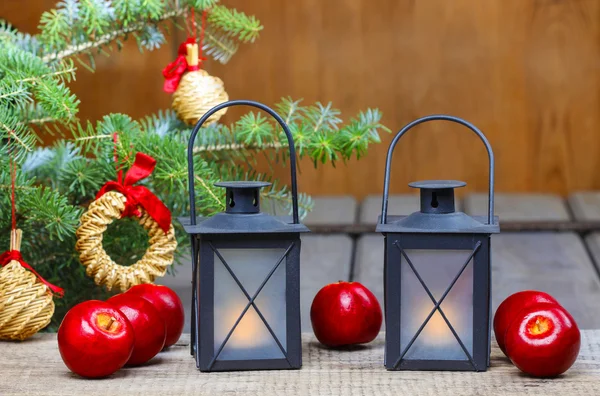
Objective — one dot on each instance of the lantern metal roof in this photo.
(441, 218)
(242, 214)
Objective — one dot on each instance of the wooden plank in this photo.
(332, 210)
(35, 368)
(323, 260)
(368, 268)
(585, 205)
(520, 207)
(556, 263)
(338, 210)
(398, 204)
(593, 244)
(505, 226)
(370, 208)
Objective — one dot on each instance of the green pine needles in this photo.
(55, 184)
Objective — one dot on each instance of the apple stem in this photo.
(110, 323)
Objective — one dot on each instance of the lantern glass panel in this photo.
(437, 269)
(251, 338)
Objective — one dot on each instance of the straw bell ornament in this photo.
(194, 90)
(26, 304)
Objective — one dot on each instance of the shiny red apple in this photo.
(168, 304)
(95, 339)
(543, 340)
(511, 306)
(345, 313)
(149, 327)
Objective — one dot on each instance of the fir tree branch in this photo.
(9, 187)
(37, 79)
(290, 108)
(55, 99)
(93, 137)
(38, 121)
(13, 93)
(235, 23)
(219, 46)
(107, 38)
(305, 203)
(323, 115)
(14, 136)
(238, 147)
(210, 191)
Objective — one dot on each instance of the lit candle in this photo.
(437, 332)
(250, 333)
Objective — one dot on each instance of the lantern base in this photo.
(434, 365)
(248, 365)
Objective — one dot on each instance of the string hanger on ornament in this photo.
(137, 196)
(194, 90)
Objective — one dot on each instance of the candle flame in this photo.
(437, 332)
(250, 332)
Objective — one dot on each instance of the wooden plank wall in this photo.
(527, 72)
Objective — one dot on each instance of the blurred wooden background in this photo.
(527, 72)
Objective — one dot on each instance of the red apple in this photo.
(148, 327)
(543, 340)
(168, 305)
(513, 304)
(345, 313)
(95, 339)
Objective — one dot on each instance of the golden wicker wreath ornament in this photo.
(198, 92)
(26, 304)
(98, 263)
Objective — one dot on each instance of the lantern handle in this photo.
(273, 114)
(435, 117)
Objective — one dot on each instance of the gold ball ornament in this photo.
(198, 92)
(105, 272)
(26, 304)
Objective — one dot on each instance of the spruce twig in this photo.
(14, 136)
(238, 147)
(107, 38)
(37, 79)
(210, 191)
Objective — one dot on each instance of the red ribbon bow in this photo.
(11, 255)
(174, 70)
(139, 195)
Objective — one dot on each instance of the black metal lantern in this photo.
(246, 282)
(437, 275)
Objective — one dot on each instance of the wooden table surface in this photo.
(34, 367)
(564, 264)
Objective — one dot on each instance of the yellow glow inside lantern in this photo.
(437, 331)
(250, 332)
